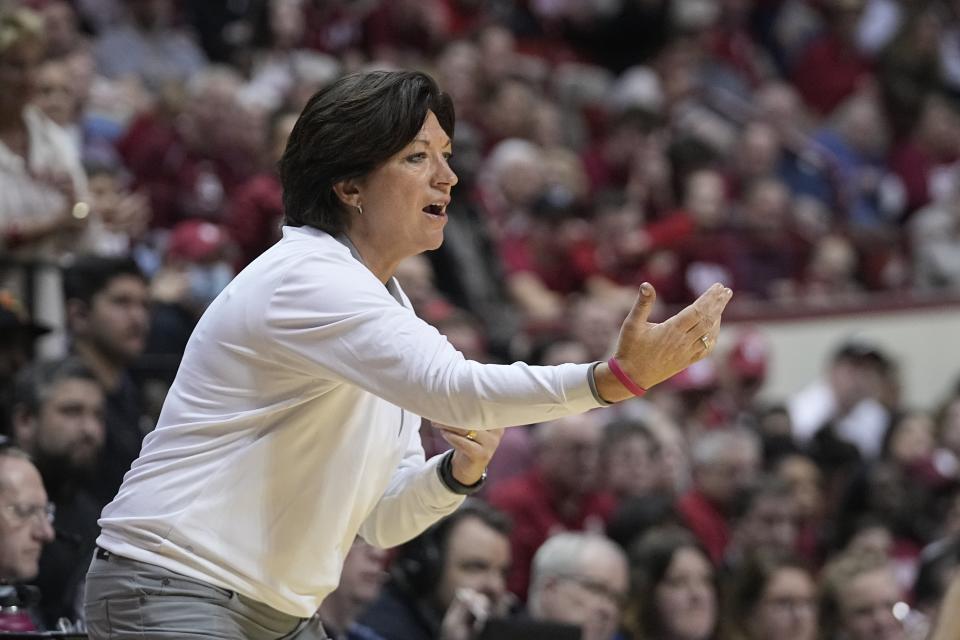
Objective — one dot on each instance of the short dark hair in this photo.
(89, 275)
(418, 565)
(346, 131)
(34, 383)
(650, 558)
(617, 431)
(748, 585)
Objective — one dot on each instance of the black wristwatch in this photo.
(445, 470)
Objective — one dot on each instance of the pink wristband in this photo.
(624, 379)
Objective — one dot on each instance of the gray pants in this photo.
(127, 600)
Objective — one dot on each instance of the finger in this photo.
(688, 319)
(713, 301)
(644, 304)
(462, 443)
(450, 429)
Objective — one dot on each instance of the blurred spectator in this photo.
(255, 213)
(17, 337)
(630, 460)
(706, 250)
(764, 523)
(561, 492)
(880, 499)
(279, 57)
(466, 266)
(725, 462)
(742, 373)
(360, 582)
(858, 594)
(771, 597)
(58, 420)
(831, 273)
(768, 255)
(26, 525)
(938, 564)
(580, 579)
(57, 99)
(923, 157)
(148, 45)
(934, 233)
(108, 321)
(805, 481)
(190, 157)
(831, 68)
(910, 65)
(909, 443)
(42, 215)
(197, 266)
(125, 214)
(674, 591)
(857, 143)
(446, 581)
(62, 27)
(847, 398)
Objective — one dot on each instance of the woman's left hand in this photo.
(472, 454)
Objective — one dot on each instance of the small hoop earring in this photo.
(359, 210)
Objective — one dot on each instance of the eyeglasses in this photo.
(598, 589)
(40, 513)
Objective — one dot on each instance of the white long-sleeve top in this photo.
(292, 426)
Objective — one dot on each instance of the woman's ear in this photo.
(348, 191)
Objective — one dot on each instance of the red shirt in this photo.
(255, 215)
(828, 72)
(706, 522)
(532, 505)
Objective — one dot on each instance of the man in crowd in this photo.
(360, 583)
(17, 335)
(580, 579)
(448, 580)
(725, 463)
(107, 318)
(58, 421)
(26, 525)
(560, 493)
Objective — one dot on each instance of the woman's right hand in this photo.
(650, 353)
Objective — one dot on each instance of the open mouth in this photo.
(436, 210)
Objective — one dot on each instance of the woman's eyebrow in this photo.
(448, 142)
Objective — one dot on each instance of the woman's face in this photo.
(397, 219)
(866, 607)
(685, 598)
(787, 610)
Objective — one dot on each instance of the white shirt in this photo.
(25, 197)
(816, 405)
(292, 425)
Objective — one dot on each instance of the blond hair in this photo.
(18, 25)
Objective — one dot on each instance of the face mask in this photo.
(207, 281)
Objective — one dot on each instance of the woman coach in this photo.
(292, 425)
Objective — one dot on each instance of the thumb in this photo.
(644, 304)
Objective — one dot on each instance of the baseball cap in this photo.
(14, 319)
(749, 356)
(196, 240)
(700, 376)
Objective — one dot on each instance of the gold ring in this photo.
(705, 341)
(471, 435)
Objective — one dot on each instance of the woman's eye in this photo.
(447, 155)
(416, 157)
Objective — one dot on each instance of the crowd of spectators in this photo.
(804, 152)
